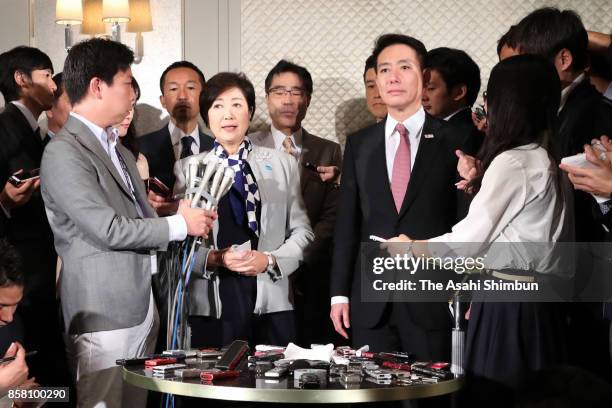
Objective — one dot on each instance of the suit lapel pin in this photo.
(262, 155)
(428, 136)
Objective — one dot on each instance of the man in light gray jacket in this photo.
(105, 231)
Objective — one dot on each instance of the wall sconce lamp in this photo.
(68, 13)
(116, 12)
(140, 22)
(92, 18)
(93, 14)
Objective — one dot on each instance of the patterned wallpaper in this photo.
(333, 39)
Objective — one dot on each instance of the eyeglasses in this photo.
(280, 91)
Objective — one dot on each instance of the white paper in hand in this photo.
(242, 248)
(580, 160)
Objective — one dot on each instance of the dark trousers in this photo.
(311, 303)
(42, 332)
(396, 332)
(270, 328)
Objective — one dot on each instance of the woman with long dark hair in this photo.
(519, 198)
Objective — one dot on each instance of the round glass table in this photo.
(249, 387)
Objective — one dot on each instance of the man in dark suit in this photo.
(584, 114)
(288, 92)
(452, 82)
(382, 193)
(376, 106)
(27, 85)
(181, 84)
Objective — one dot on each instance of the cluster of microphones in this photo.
(207, 180)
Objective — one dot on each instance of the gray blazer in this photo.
(284, 232)
(104, 244)
(319, 197)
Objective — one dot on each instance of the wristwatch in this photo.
(270, 261)
(272, 270)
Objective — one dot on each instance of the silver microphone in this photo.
(216, 181)
(226, 183)
(191, 175)
(210, 164)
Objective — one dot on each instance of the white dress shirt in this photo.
(414, 125)
(279, 138)
(177, 134)
(608, 93)
(176, 223)
(519, 202)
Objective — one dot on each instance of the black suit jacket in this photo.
(27, 228)
(157, 148)
(366, 207)
(320, 198)
(464, 128)
(585, 116)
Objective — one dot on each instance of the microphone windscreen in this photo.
(216, 181)
(226, 183)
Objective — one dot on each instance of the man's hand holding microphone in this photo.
(199, 221)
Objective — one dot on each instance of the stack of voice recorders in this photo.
(349, 368)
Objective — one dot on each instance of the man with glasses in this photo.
(288, 91)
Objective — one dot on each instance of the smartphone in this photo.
(167, 368)
(480, 113)
(237, 351)
(18, 179)
(158, 187)
(188, 372)
(210, 375)
(160, 361)
(310, 166)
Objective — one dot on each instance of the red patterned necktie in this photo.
(401, 168)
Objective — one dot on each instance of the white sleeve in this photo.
(339, 299)
(178, 227)
(501, 197)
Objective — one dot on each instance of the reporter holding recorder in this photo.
(520, 197)
(263, 210)
(106, 233)
(596, 180)
(13, 373)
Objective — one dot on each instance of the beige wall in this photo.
(15, 26)
(14, 23)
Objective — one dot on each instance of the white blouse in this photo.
(519, 202)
